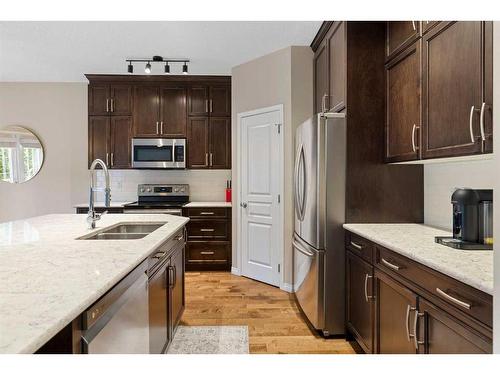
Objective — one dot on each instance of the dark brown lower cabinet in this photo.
(395, 307)
(391, 307)
(177, 298)
(359, 276)
(442, 333)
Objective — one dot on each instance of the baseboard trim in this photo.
(235, 271)
(287, 287)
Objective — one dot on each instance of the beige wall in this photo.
(57, 113)
(440, 181)
(283, 77)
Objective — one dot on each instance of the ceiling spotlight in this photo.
(167, 68)
(130, 68)
(185, 68)
(147, 69)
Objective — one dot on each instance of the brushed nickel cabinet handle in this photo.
(454, 300)
(414, 25)
(207, 230)
(157, 127)
(107, 105)
(206, 105)
(211, 159)
(161, 127)
(390, 265)
(417, 342)
(112, 158)
(112, 104)
(471, 116)
(107, 158)
(207, 253)
(206, 159)
(323, 103)
(355, 245)
(367, 297)
(408, 334)
(207, 213)
(481, 122)
(414, 145)
(211, 105)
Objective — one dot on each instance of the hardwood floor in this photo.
(274, 321)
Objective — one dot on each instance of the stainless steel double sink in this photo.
(124, 231)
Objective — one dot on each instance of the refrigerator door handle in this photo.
(302, 249)
(297, 198)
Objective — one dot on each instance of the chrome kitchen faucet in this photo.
(93, 216)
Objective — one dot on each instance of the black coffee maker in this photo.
(472, 220)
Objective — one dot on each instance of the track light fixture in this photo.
(157, 59)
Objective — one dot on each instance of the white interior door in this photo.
(261, 174)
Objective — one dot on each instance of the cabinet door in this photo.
(337, 67)
(321, 78)
(177, 300)
(394, 316)
(121, 100)
(403, 77)
(99, 99)
(220, 143)
(120, 141)
(173, 111)
(198, 101)
(360, 300)
(452, 89)
(220, 101)
(400, 34)
(146, 113)
(197, 142)
(158, 310)
(444, 334)
(98, 138)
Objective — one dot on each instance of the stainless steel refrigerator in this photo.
(318, 243)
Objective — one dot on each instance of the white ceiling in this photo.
(64, 51)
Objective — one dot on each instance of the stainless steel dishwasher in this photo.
(119, 322)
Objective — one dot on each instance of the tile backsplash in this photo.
(204, 185)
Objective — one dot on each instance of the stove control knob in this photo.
(149, 190)
(176, 190)
(182, 190)
(142, 190)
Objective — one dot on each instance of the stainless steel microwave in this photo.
(153, 153)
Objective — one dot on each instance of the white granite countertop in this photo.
(208, 204)
(416, 241)
(48, 278)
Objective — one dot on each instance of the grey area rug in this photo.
(210, 340)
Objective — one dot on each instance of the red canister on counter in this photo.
(228, 191)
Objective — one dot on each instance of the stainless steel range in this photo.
(159, 199)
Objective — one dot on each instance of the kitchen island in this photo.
(48, 276)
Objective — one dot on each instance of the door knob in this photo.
(244, 205)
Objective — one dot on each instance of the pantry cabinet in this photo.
(438, 89)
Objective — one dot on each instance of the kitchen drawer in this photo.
(359, 246)
(454, 293)
(208, 252)
(207, 212)
(208, 229)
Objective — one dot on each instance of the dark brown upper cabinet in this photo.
(321, 78)
(220, 101)
(427, 25)
(120, 133)
(219, 143)
(337, 66)
(403, 105)
(173, 113)
(146, 112)
(213, 100)
(395, 311)
(198, 135)
(360, 301)
(456, 108)
(98, 142)
(400, 34)
(106, 99)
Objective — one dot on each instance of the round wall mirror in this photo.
(21, 154)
